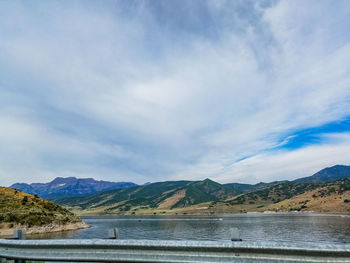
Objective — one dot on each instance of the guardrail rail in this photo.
(101, 250)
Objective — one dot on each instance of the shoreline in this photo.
(51, 228)
(222, 214)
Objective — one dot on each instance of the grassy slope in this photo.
(147, 194)
(272, 194)
(333, 197)
(290, 196)
(17, 207)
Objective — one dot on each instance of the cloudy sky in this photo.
(145, 91)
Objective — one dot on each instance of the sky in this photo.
(147, 91)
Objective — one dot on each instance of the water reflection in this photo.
(253, 227)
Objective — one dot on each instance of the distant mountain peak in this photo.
(329, 174)
(63, 179)
(334, 168)
(207, 180)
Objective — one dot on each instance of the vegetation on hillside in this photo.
(150, 195)
(332, 197)
(273, 194)
(164, 195)
(17, 207)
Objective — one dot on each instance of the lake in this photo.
(295, 228)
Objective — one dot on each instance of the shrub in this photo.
(25, 200)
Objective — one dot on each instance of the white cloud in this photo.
(169, 100)
(273, 165)
(290, 165)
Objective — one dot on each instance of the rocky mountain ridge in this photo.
(69, 187)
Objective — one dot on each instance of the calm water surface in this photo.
(295, 228)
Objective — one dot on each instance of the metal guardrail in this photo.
(101, 250)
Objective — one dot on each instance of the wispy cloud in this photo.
(153, 90)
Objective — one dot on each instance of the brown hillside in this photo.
(19, 209)
(333, 197)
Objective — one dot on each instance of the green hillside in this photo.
(237, 189)
(162, 195)
(289, 196)
(150, 194)
(274, 193)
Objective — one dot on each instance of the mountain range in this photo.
(207, 196)
(69, 187)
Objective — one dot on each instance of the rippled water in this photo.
(253, 227)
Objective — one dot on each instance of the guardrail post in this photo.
(235, 236)
(113, 233)
(20, 235)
